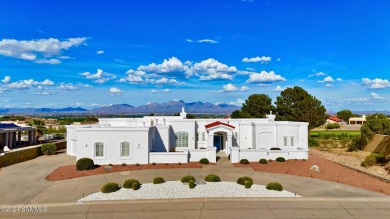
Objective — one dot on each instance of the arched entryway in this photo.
(220, 135)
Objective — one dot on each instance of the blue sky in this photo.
(93, 53)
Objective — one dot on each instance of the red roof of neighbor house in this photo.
(335, 118)
(217, 123)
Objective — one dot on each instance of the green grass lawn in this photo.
(334, 133)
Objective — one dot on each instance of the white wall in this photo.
(170, 157)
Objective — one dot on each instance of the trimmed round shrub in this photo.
(263, 161)
(212, 178)
(280, 159)
(274, 186)
(248, 184)
(129, 183)
(243, 179)
(204, 161)
(110, 187)
(124, 164)
(85, 164)
(137, 164)
(244, 161)
(191, 184)
(186, 179)
(153, 163)
(158, 180)
(135, 186)
(48, 149)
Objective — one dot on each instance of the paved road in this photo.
(24, 184)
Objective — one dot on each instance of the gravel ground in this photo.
(176, 189)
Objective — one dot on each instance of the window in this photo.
(292, 141)
(285, 141)
(203, 136)
(125, 149)
(288, 141)
(182, 139)
(99, 149)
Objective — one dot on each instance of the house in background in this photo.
(358, 120)
(174, 139)
(334, 119)
(12, 136)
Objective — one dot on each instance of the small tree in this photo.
(257, 106)
(345, 114)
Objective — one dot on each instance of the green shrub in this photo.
(274, 186)
(124, 164)
(110, 187)
(263, 161)
(332, 126)
(186, 179)
(191, 184)
(128, 184)
(135, 186)
(356, 143)
(48, 149)
(243, 179)
(373, 159)
(137, 164)
(312, 142)
(244, 161)
(158, 180)
(248, 184)
(280, 159)
(204, 161)
(85, 164)
(212, 178)
(110, 164)
(179, 163)
(153, 163)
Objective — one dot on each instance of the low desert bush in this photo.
(186, 179)
(332, 126)
(110, 187)
(280, 159)
(373, 158)
(135, 186)
(355, 144)
(204, 161)
(153, 163)
(212, 178)
(124, 164)
(248, 184)
(137, 164)
(274, 186)
(48, 149)
(158, 180)
(312, 142)
(243, 179)
(191, 184)
(263, 161)
(85, 164)
(128, 184)
(244, 161)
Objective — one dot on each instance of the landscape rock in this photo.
(315, 168)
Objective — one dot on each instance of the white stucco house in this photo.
(174, 139)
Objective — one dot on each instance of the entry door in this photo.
(218, 142)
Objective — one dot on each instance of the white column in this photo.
(10, 140)
(6, 139)
(229, 142)
(210, 142)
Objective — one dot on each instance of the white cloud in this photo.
(48, 61)
(33, 49)
(171, 65)
(376, 96)
(328, 85)
(64, 57)
(100, 77)
(44, 93)
(339, 79)
(6, 79)
(264, 76)
(327, 79)
(160, 91)
(376, 83)
(100, 52)
(228, 88)
(115, 91)
(257, 59)
(278, 89)
(211, 69)
(244, 88)
(318, 74)
(207, 41)
(278, 59)
(189, 40)
(29, 83)
(68, 86)
(166, 81)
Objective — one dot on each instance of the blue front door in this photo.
(218, 142)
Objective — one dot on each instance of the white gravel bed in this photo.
(176, 189)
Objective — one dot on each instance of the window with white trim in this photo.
(99, 149)
(125, 149)
(203, 136)
(292, 141)
(182, 139)
(285, 141)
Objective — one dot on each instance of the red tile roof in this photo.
(217, 123)
(335, 118)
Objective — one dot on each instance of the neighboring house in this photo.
(357, 120)
(174, 139)
(11, 135)
(334, 119)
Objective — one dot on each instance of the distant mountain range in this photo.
(169, 107)
(364, 112)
